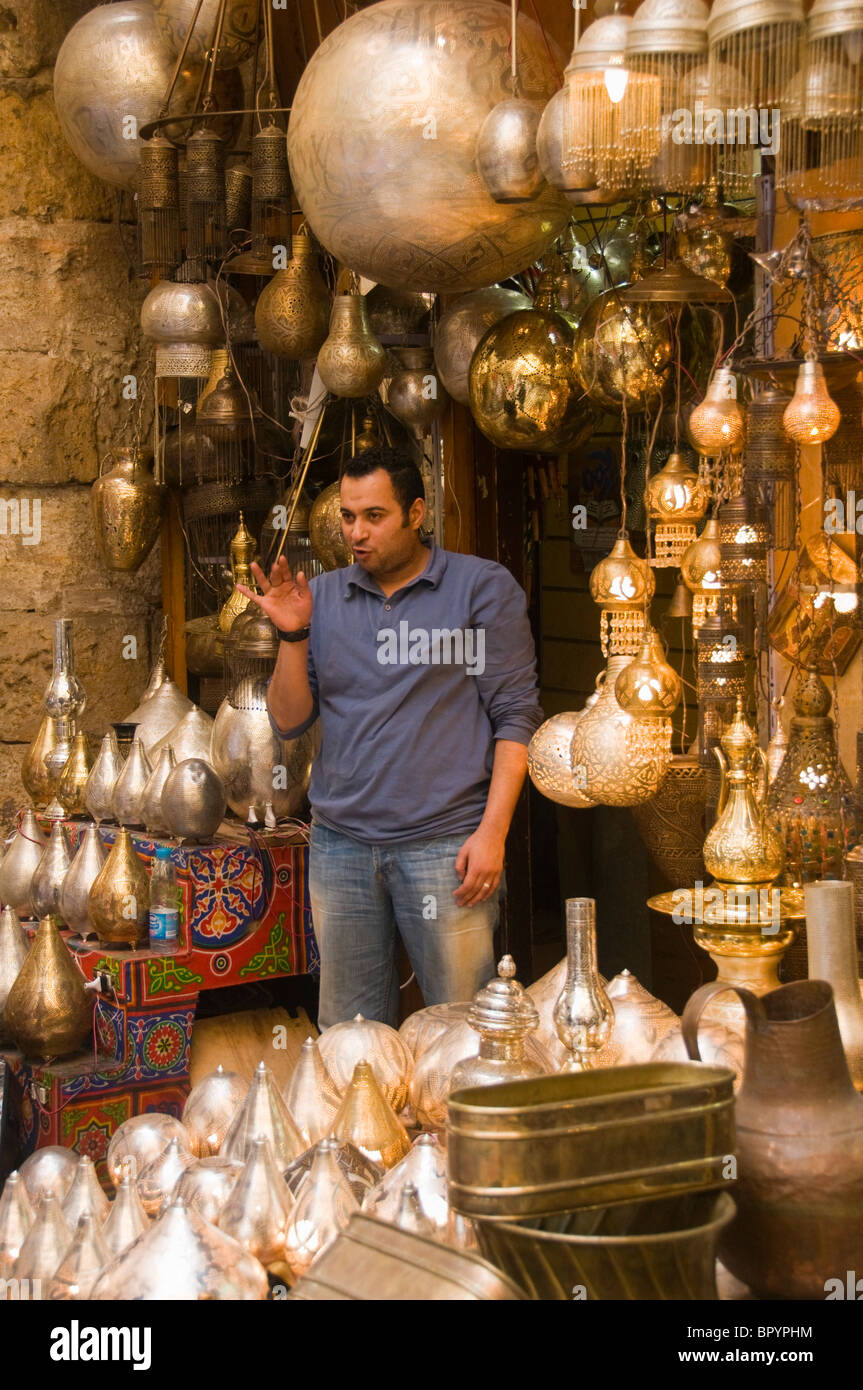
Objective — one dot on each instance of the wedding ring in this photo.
(486, 885)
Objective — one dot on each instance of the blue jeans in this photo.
(361, 894)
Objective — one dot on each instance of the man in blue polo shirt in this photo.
(420, 664)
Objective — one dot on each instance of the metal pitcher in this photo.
(799, 1143)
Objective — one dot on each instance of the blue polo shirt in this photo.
(412, 690)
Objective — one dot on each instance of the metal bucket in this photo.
(377, 1262)
(560, 1143)
(664, 1249)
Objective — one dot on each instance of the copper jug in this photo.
(799, 1189)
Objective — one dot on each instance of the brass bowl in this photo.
(643, 1250)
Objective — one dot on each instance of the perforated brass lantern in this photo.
(814, 622)
(676, 499)
(595, 82)
(743, 542)
(523, 390)
(667, 40)
(601, 754)
(506, 151)
(549, 762)
(622, 351)
(716, 425)
(811, 799)
(721, 667)
(622, 585)
(185, 323)
(700, 571)
(351, 361)
(460, 329)
(811, 416)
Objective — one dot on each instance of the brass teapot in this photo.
(742, 849)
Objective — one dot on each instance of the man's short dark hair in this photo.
(404, 475)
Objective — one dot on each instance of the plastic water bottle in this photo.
(164, 903)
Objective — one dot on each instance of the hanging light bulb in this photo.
(621, 584)
(616, 79)
(676, 499)
(811, 416)
(716, 425)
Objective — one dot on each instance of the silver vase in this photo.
(129, 788)
(151, 801)
(583, 1014)
(20, 864)
(64, 698)
(47, 882)
(13, 953)
(75, 893)
(99, 787)
(253, 762)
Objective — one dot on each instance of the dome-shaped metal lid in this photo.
(502, 1007)
(602, 44)
(729, 17)
(668, 26)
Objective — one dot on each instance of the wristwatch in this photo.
(299, 636)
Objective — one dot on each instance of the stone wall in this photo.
(69, 305)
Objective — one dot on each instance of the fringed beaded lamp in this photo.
(158, 207)
(667, 40)
(648, 689)
(699, 569)
(761, 40)
(820, 163)
(676, 499)
(596, 80)
(621, 584)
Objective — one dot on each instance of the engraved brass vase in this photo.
(129, 787)
(345, 1044)
(311, 1095)
(351, 361)
(126, 1220)
(119, 900)
(259, 1208)
(70, 792)
(37, 779)
(48, 1011)
(263, 1114)
(127, 506)
(47, 881)
(292, 316)
(367, 1119)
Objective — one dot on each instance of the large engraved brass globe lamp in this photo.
(110, 78)
(523, 390)
(382, 143)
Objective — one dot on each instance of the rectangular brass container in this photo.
(374, 1260)
(560, 1143)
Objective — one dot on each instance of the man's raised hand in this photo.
(286, 600)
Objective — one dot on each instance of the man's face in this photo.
(374, 526)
